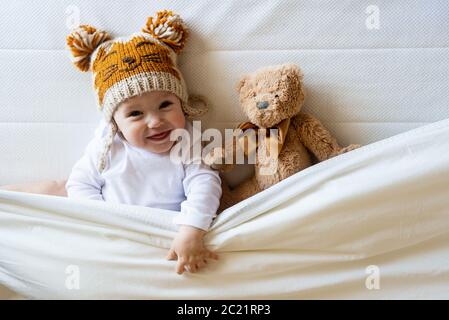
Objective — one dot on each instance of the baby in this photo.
(143, 97)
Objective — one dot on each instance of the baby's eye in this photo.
(134, 114)
(165, 104)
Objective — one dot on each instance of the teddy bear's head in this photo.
(272, 94)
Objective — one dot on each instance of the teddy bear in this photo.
(272, 98)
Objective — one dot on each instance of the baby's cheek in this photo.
(178, 120)
(135, 135)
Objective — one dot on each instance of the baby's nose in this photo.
(128, 60)
(154, 122)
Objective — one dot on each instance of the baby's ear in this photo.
(82, 42)
(168, 28)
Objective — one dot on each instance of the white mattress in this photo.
(365, 85)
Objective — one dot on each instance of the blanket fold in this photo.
(379, 211)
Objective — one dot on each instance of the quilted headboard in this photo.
(372, 68)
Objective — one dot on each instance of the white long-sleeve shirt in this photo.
(139, 177)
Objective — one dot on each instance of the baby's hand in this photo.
(188, 247)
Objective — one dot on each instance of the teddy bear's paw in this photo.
(225, 167)
(216, 160)
(215, 156)
(348, 148)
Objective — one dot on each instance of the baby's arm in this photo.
(85, 181)
(48, 187)
(202, 187)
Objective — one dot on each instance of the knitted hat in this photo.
(129, 66)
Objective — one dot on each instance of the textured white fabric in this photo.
(314, 235)
(142, 178)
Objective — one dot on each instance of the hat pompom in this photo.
(168, 28)
(82, 42)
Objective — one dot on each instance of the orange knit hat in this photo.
(129, 66)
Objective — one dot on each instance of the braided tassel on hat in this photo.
(108, 139)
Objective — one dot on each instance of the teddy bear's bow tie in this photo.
(250, 144)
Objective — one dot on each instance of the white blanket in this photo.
(373, 223)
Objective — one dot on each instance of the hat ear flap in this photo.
(82, 42)
(196, 107)
(168, 28)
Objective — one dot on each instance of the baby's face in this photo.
(147, 120)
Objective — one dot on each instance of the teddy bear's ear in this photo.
(82, 42)
(294, 69)
(168, 28)
(241, 83)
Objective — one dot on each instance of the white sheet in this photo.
(311, 236)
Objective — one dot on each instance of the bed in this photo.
(375, 75)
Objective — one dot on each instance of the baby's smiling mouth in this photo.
(159, 136)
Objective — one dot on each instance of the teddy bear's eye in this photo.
(276, 96)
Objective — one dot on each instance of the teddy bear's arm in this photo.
(315, 137)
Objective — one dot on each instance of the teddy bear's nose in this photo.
(262, 104)
(128, 60)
